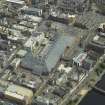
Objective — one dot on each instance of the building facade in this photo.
(99, 1)
(38, 3)
(100, 4)
(72, 5)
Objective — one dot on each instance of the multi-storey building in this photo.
(101, 5)
(99, 1)
(72, 5)
(38, 3)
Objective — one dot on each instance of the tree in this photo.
(97, 72)
(102, 65)
(80, 25)
(48, 25)
(23, 75)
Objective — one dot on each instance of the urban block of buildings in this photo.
(48, 49)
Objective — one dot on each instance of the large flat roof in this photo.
(16, 1)
(19, 92)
